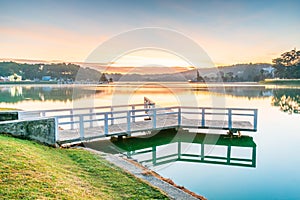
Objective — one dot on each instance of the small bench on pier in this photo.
(86, 124)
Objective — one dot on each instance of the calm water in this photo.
(273, 172)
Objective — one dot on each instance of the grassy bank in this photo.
(33, 171)
(5, 109)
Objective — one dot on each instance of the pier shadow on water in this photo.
(170, 146)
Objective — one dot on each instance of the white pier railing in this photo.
(96, 122)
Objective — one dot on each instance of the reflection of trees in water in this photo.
(237, 91)
(288, 100)
(8, 95)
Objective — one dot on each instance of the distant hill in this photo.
(240, 72)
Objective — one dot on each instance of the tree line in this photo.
(286, 66)
(57, 71)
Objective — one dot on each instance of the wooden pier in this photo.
(86, 124)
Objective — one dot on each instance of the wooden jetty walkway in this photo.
(85, 124)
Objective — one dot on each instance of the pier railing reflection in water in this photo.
(167, 147)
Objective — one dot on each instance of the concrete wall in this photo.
(40, 129)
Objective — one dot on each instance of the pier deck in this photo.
(85, 124)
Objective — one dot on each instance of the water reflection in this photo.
(16, 91)
(288, 100)
(237, 91)
(169, 146)
(14, 94)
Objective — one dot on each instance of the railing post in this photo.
(56, 129)
(72, 119)
(255, 119)
(105, 124)
(229, 118)
(128, 123)
(133, 113)
(154, 118)
(43, 114)
(91, 116)
(112, 116)
(81, 127)
(179, 116)
(203, 117)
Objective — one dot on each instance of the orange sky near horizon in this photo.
(72, 47)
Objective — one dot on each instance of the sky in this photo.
(230, 32)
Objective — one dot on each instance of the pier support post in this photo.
(120, 137)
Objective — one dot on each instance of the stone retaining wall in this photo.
(40, 129)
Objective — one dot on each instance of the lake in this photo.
(264, 165)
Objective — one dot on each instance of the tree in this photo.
(289, 58)
(199, 78)
(288, 65)
(103, 78)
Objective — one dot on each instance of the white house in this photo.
(3, 79)
(269, 70)
(15, 77)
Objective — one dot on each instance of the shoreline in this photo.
(290, 82)
(166, 185)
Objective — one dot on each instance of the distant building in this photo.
(46, 78)
(269, 70)
(15, 77)
(3, 79)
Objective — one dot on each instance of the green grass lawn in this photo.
(29, 170)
